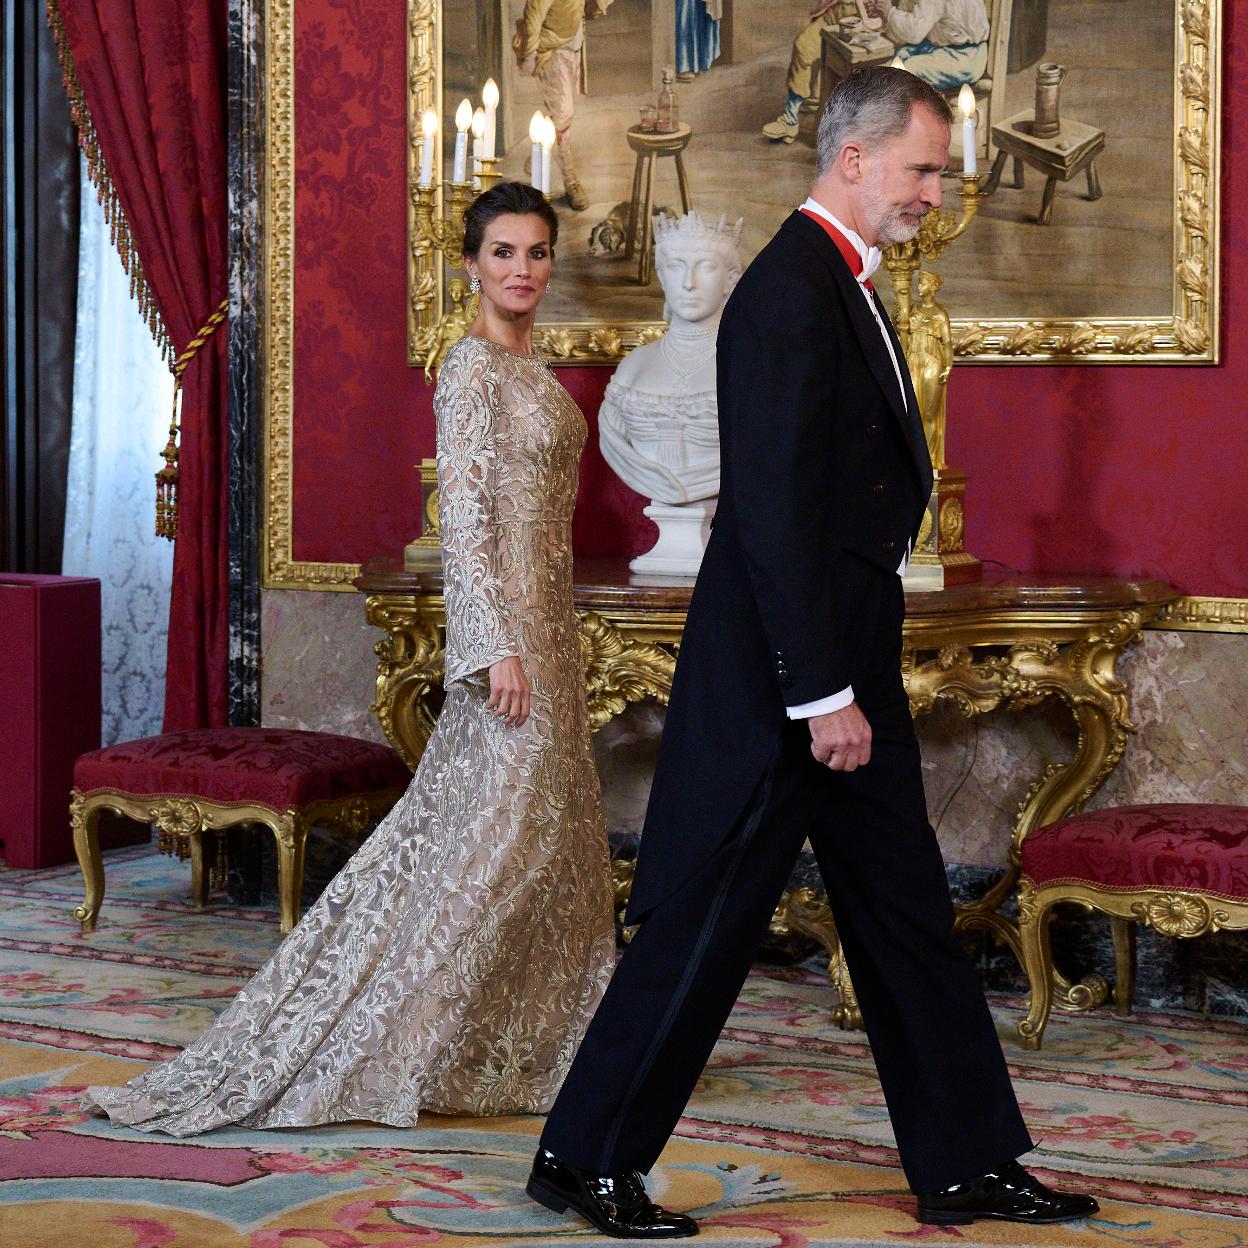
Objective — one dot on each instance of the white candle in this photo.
(429, 133)
(478, 143)
(966, 106)
(489, 97)
(536, 130)
(548, 144)
(463, 119)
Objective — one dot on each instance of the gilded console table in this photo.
(1010, 642)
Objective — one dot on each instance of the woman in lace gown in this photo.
(454, 963)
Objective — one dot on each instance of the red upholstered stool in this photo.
(191, 784)
(1182, 868)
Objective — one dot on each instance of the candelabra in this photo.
(939, 557)
(444, 230)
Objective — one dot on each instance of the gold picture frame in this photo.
(1189, 335)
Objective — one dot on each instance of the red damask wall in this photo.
(1115, 470)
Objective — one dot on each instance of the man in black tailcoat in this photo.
(788, 721)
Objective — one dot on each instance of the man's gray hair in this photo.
(871, 106)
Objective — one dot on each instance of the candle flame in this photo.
(549, 133)
(966, 101)
(489, 94)
(429, 123)
(536, 127)
(478, 124)
(463, 115)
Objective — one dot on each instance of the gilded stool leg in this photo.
(85, 821)
(1123, 931)
(292, 834)
(199, 876)
(1033, 931)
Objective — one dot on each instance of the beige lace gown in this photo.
(455, 961)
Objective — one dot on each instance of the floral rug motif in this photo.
(786, 1141)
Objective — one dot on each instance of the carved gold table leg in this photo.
(619, 669)
(805, 912)
(85, 818)
(410, 669)
(1081, 674)
(1038, 963)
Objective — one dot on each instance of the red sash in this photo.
(843, 245)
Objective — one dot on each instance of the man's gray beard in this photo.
(889, 224)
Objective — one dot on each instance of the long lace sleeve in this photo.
(467, 407)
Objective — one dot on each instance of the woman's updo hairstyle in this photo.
(504, 199)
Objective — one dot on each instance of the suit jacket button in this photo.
(887, 546)
(872, 430)
(878, 487)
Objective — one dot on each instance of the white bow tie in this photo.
(874, 258)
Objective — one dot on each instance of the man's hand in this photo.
(841, 740)
(509, 692)
(880, 8)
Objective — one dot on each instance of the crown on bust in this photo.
(691, 226)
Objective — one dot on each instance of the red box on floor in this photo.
(49, 709)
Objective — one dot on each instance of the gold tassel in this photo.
(167, 477)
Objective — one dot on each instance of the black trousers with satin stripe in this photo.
(940, 1063)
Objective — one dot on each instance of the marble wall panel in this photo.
(245, 124)
(318, 667)
(1188, 693)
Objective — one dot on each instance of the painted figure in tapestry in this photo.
(697, 36)
(944, 42)
(549, 44)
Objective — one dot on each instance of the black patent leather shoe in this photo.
(1009, 1194)
(616, 1204)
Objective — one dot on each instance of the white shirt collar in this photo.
(870, 256)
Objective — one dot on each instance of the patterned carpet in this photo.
(786, 1142)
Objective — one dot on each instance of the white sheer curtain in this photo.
(123, 392)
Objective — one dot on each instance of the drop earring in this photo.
(474, 286)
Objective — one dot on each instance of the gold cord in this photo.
(167, 477)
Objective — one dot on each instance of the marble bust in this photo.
(658, 425)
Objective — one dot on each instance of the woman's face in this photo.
(514, 263)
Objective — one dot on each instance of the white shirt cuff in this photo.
(824, 706)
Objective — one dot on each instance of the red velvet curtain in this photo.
(151, 76)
